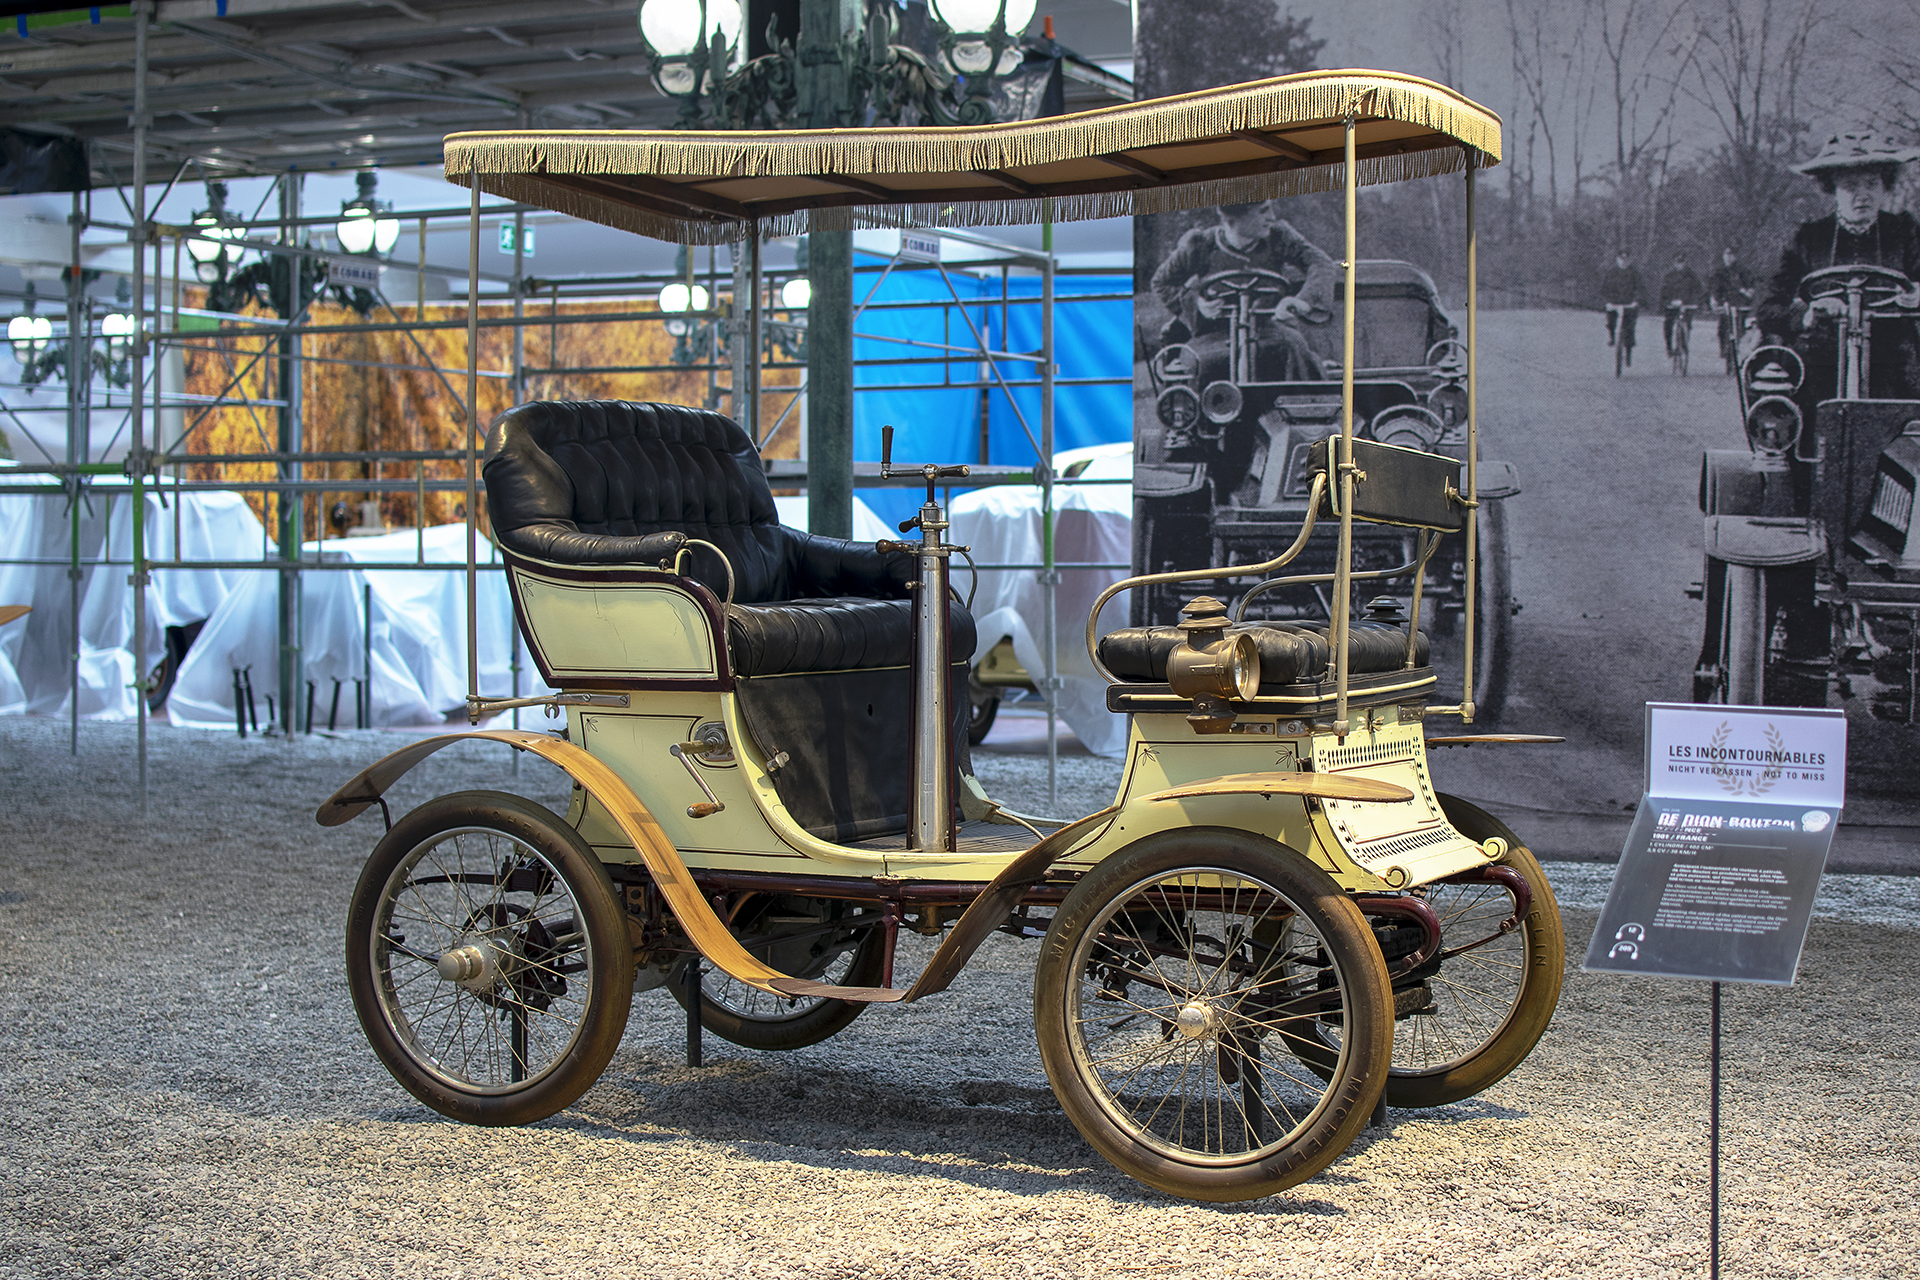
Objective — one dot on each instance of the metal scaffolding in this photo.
(745, 343)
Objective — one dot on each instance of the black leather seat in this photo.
(602, 482)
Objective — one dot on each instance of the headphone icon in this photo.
(1628, 938)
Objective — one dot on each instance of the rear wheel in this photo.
(809, 938)
(1490, 1005)
(983, 705)
(1177, 987)
(488, 959)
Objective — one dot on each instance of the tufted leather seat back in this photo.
(597, 482)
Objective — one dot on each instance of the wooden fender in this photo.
(715, 941)
(662, 860)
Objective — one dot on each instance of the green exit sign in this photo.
(506, 239)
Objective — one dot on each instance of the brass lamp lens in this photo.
(1245, 667)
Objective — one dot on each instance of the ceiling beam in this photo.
(18, 59)
(340, 72)
(463, 19)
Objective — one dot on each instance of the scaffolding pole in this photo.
(137, 458)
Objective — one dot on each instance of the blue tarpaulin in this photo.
(937, 422)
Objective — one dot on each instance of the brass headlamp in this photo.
(1211, 667)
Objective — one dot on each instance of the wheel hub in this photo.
(1198, 1018)
(476, 965)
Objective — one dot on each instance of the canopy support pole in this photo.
(1473, 441)
(1343, 478)
(1049, 574)
(473, 427)
(755, 283)
(519, 385)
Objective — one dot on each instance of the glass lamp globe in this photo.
(362, 227)
(674, 28)
(118, 327)
(359, 230)
(797, 294)
(207, 250)
(20, 334)
(677, 297)
(975, 17)
(206, 247)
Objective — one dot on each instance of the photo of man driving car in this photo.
(1251, 259)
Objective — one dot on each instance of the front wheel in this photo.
(489, 959)
(1178, 986)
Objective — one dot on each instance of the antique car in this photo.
(1278, 926)
(1812, 580)
(1222, 470)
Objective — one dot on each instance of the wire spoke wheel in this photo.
(813, 938)
(486, 954)
(1177, 985)
(1490, 1004)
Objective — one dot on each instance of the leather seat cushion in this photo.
(843, 634)
(593, 482)
(1289, 652)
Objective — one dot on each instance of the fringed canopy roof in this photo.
(1245, 142)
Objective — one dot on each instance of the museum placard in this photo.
(1720, 871)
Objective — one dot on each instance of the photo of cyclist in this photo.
(1620, 293)
(1730, 294)
(1680, 294)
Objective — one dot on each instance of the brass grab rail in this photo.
(1200, 575)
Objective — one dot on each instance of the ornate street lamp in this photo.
(119, 328)
(42, 359)
(693, 46)
(212, 258)
(690, 44)
(31, 336)
(362, 228)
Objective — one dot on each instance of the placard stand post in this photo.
(1713, 1139)
(1719, 874)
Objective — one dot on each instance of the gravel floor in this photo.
(184, 1090)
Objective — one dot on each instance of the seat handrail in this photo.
(1200, 575)
(1415, 565)
(687, 546)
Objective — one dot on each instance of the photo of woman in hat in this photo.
(1860, 171)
